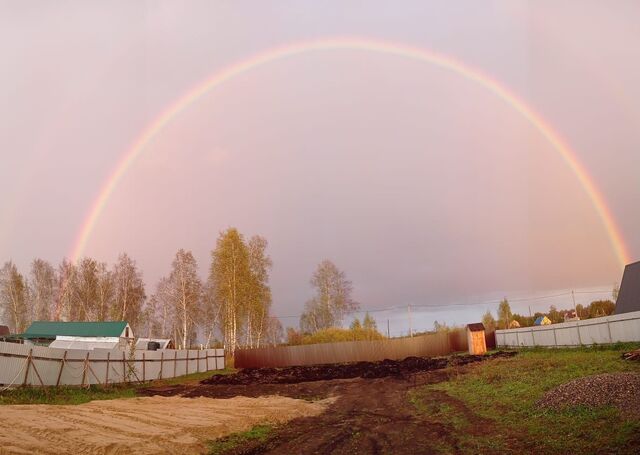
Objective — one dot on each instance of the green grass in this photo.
(497, 404)
(258, 433)
(79, 395)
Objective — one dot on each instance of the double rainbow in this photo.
(418, 54)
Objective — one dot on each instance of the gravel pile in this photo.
(621, 390)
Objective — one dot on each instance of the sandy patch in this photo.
(147, 425)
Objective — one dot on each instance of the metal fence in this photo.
(604, 330)
(43, 366)
(353, 351)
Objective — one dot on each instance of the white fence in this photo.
(605, 330)
(38, 365)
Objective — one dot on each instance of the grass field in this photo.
(492, 407)
(78, 395)
(258, 433)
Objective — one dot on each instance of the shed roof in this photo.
(51, 329)
(476, 327)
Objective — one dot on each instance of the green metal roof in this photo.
(50, 329)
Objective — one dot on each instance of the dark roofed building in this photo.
(4, 331)
(629, 296)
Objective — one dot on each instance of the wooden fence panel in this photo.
(428, 345)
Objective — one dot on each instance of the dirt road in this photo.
(368, 416)
(149, 425)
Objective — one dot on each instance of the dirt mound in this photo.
(150, 425)
(367, 370)
(621, 390)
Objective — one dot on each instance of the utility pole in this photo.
(575, 309)
(388, 332)
(410, 328)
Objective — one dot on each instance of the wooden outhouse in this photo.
(476, 339)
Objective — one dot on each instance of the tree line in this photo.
(595, 309)
(232, 305)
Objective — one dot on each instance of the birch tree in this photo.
(183, 290)
(258, 291)
(63, 305)
(42, 290)
(230, 277)
(332, 300)
(160, 311)
(13, 297)
(84, 290)
(129, 292)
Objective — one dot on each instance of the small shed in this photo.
(4, 331)
(163, 343)
(542, 320)
(476, 338)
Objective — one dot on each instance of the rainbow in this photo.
(358, 44)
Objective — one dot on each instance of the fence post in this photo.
(555, 339)
(517, 338)
(533, 337)
(144, 367)
(198, 363)
(206, 359)
(175, 362)
(106, 377)
(187, 372)
(609, 328)
(124, 368)
(35, 370)
(579, 337)
(26, 373)
(84, 370)
(62, 362)
(161, 363)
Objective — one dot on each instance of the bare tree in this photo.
(13, 296)
(63, 305)
(183, 291)
(160, 310)
(129, 293)
(42, 290)
(105, 293)
(332, 300)
(274, 333)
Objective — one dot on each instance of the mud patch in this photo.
(367, 370)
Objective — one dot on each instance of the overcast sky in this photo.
(420, 184)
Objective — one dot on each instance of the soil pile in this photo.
(621, 390)
(150, 425)
(368, 370)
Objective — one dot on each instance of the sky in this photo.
(422, 185)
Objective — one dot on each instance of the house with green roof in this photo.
(46, 332)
